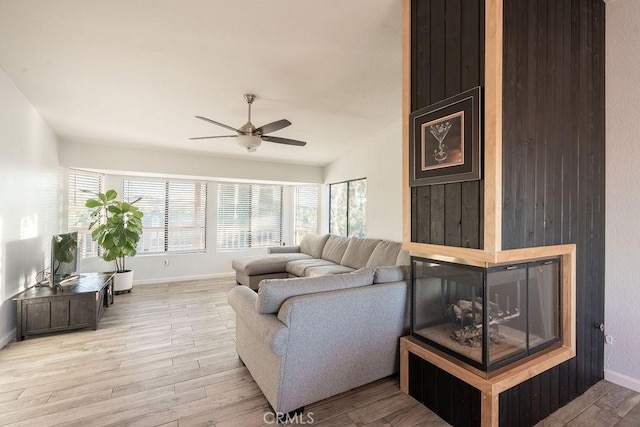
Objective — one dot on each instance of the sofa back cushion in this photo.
(394, 273)
(273, 292)
(403, 258)
(386, 253)
(334, 248)
(313, 245)
(358, 252)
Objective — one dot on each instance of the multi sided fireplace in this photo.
(486, 318)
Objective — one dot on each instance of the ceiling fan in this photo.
(249, 136)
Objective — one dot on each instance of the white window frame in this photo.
(347, 217)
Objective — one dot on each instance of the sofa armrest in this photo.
(283, 249)
(265, 327)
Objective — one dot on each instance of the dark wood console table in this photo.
(79, 304)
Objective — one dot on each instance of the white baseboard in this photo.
(8, 337)
(230, 275)
(622, 380)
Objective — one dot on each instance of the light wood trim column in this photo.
(406, 111)
(404, 367)
(493, 126)
(490, 409)
(569, 293)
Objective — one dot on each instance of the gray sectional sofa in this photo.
(319, 256)
(304, 339)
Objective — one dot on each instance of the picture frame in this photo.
(444, 140)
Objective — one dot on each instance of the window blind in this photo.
(78, 219)
(186, 216)
(249, 216)
(306, 211)
(174, 214)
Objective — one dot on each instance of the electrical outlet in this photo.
(608, 339)
(166, 263)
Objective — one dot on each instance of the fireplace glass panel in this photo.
(507, 292)
(486, 317)
(544, 303)
(438, 288)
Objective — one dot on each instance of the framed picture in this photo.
(444, 141)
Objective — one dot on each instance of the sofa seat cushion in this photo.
(358, 252)
(323, 270)
(273, 292)
(266, 264)
(313, 245)
(385, 253)
(334, 248)
(299, 266)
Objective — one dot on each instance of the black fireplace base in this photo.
(453, 400)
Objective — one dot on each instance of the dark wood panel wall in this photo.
(447, 57)
(553, 173)
(553, 166)
(452, 399)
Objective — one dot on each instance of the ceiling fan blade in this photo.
(217, 136)
(287, 141)
(217, 123)
(272, 127)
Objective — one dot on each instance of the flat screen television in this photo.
(64, 258)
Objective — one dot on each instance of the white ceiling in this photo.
(136, 72)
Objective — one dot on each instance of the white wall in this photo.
(29, 192)
(622, 248)
(170, 163)
(380, 161)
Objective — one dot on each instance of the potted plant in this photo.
(118, 227)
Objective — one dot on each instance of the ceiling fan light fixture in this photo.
(250, 142)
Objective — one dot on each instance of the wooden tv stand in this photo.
(79, 304)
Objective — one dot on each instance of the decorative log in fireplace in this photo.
(472, 335)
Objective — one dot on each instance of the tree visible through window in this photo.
(348, 208)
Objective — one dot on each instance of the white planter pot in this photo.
(123, 282)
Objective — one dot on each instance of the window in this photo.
(306, 211)
(78, 220)
(249, 216)
(175, 215)
(348, 208)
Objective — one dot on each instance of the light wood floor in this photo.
(164, 355)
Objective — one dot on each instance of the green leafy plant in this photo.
(118, 227)
(64, 250)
